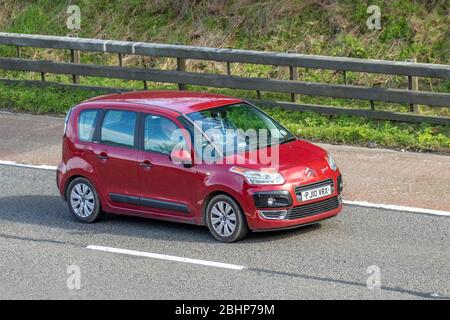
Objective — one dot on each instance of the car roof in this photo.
(180, 101)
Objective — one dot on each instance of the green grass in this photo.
(308, 125)
(41, 100)
(410, 29)
(353, 130)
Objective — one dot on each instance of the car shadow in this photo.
(52, 212)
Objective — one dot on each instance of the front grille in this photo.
(312, 209)
(322, 183)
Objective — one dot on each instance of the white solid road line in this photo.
(397, 208)
(166, 257)
(15, 164)
(350, 202)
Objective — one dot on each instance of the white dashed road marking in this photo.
(166, 257)
(15, 164)
(397, 208)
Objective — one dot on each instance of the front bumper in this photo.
(295, 226)
(287, 211)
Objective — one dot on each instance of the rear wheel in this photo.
(83, 200)
(225, 219)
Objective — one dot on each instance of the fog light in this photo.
(272, 199)
(273, 214)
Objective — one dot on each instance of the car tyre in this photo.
(83, 201)
(225, 219)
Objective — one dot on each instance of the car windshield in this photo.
(239, 127)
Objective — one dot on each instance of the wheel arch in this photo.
(211, 195)
(69, 180)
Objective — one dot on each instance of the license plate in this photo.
(316, 193)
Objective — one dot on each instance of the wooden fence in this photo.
(292, 86)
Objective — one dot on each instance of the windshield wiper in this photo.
(290, 139)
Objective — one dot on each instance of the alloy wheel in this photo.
(82, 200)
(223, 218)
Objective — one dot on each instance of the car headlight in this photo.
(259, 176)
(331, 162)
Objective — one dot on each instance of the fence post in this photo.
(293, 75)
(18, 52)
(413, 85)
(181, 66)
(228, 68)
(75, 58)
(120, 60)
(144, 81)
(344, 74)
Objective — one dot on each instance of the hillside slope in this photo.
(409, 28)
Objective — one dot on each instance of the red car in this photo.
(196, 158)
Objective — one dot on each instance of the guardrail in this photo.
(291, 60)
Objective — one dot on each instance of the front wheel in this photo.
(83, 200)
(225, 219)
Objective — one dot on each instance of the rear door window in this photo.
(86, 124)
(118, 128)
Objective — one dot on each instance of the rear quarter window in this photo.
(86, 124)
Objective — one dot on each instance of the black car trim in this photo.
(340, 185)
(122, 198)
(98, 125)
(148, 202)
(165, 205)
(260, 198)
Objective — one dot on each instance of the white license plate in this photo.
(316, 193)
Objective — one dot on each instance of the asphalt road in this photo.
(39, 240)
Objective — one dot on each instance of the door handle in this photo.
(146, 164)
(102, 156)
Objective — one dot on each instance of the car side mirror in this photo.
(182, 156)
